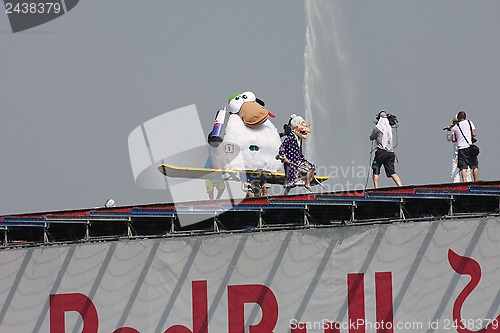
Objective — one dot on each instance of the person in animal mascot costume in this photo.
(244, 138)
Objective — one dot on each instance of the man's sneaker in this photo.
(308, 188)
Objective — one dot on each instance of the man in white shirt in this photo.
(462, 134)
(455, 172)
(384, 153)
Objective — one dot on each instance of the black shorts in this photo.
(385, 158)
(466, 160)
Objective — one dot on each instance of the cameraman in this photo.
(384, 153)
(455, 172)
(463, 134)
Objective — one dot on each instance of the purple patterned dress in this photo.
(292, 149)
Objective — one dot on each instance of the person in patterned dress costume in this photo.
(298, 170)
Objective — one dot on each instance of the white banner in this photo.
(437, 276)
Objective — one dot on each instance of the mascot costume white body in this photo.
(244, 138)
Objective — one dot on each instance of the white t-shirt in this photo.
(449, 137)
(464, 125)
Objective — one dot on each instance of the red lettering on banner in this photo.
(356, 302)
(126, 330)
(200, 310)
(239, 295)
(332, 327)
(356, 306)
(383, 296)
(468, 266)
(61, 303)
(299, 328)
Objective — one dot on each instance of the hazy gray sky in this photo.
(73, 89)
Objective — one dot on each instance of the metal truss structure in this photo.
(350, 208)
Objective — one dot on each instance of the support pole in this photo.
(401, 209)
(216, 223)
(87, 230)
(353, 208)
(45, 233)
(172, 225)
(5, 238)
(306, 214)
(129, 228)
(260, 224)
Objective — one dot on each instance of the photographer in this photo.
(455, 172)
(384, 153)
(464, 133)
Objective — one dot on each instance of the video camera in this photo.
(393, 120)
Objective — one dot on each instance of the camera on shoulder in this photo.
(393, 120)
